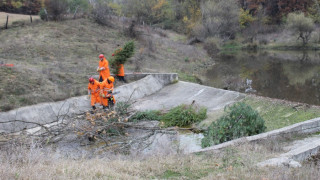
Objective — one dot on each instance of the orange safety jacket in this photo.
(105, 87)
(106, 72)
(94, 88)
(120, 70)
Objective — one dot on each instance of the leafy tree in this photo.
(301, 25)
(240, 120)
(17, 4)
(191, 14)
(245, 18)
(125, 53)
(116, 8)
(122, 55)
(314, 11)
(21, 6)
(162, 13)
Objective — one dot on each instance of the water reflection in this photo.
(293, 76)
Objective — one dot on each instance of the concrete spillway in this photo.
(160, 91)
(154, 91)
(44, 113)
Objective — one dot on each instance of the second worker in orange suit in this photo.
(93, 92)
(106, 90)
(103, 68)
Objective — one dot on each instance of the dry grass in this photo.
(14, 18)
(19, 162)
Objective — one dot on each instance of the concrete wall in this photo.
(306, 127)
(45, 113)
(131, 76)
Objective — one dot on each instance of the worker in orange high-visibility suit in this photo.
(106, 90)
(103, 68)
(93, 91)
(120, 71)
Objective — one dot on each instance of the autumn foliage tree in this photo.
(21, 6)
(276, 9)
(314, 11)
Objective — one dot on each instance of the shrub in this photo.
(221, 18)
(122, 108)
(101, 13)
(146, 115)
(240, 120)
(56, 9)
(184, 115)
(212, 46)
(43, 14)
(122, 55)
(245, 18)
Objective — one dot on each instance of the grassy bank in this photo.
(52, 60)
(280, 113)
(230, 47)
(276, 113)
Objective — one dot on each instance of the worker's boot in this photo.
(93, 109)
(106, 108)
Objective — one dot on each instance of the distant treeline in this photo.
(21, 6)
(276, 9)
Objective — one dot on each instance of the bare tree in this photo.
(221, 17)
(101, 13)
(300, 25)
(56, 9)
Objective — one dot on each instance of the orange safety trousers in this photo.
(95, 98)
(105, 87)
(94, 88)
(105, 100)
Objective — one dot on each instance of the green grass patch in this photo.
(278, 115)
(187, 172)
(146, 116)
(182, 116)
(188, 77)
(231, 46)
(168, 174)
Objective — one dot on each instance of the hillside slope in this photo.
(52, 60)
